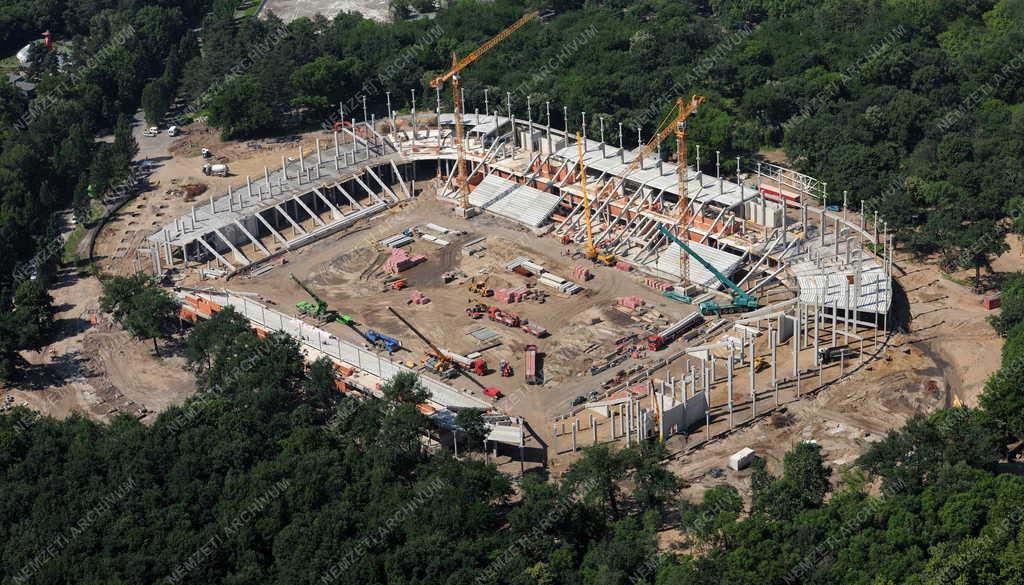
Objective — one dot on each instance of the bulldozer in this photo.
(480, 288)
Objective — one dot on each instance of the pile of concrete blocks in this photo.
(581, 273)
(418, 298)
(401, 260)
(658, 285)
(624, 266)
(511, 295)
(631, 302)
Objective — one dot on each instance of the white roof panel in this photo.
(514, 201)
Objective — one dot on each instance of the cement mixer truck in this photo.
(215, 170)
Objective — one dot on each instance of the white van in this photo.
(172, 131)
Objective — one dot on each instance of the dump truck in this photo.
(530, 356)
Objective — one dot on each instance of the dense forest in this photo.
(270, 476)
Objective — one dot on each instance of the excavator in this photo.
(453, 74)
(590, 251)
(741, 300)
(318, 310)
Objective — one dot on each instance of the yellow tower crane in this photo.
(453, 74)
(591, 250)
(683, 111)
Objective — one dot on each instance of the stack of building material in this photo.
(631, 302)
(624, 266)
(658, 285)
(511, 295)
(396, 241)
(581, 273)
(525, 263)
(437, 228)
(418, 298)
(401, 260)
(435, 240)
(558, 283)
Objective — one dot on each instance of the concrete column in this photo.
(248, 186)
(319, 157)
(266, 178)
(771, 345)
(796, 351)
(729, 385)
(213, 208)
(575, 426)
(629, 419)
(593, 429)
(753, 390)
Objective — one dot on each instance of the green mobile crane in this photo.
(741, 300)
(318, 310)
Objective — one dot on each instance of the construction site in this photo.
(579, 291)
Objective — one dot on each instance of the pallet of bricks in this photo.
(401, 260)
(632, 302)
(581, 273)
(658, 285)
(511, 295)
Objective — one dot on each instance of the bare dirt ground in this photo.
(344, 271)
(97, 370)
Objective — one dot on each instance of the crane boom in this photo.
(453, 74)
(440, 355)
(459, 65)
(721, 277)
(437, 352)
(651, 146)
(321, 306)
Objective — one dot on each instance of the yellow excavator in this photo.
(590, 251)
